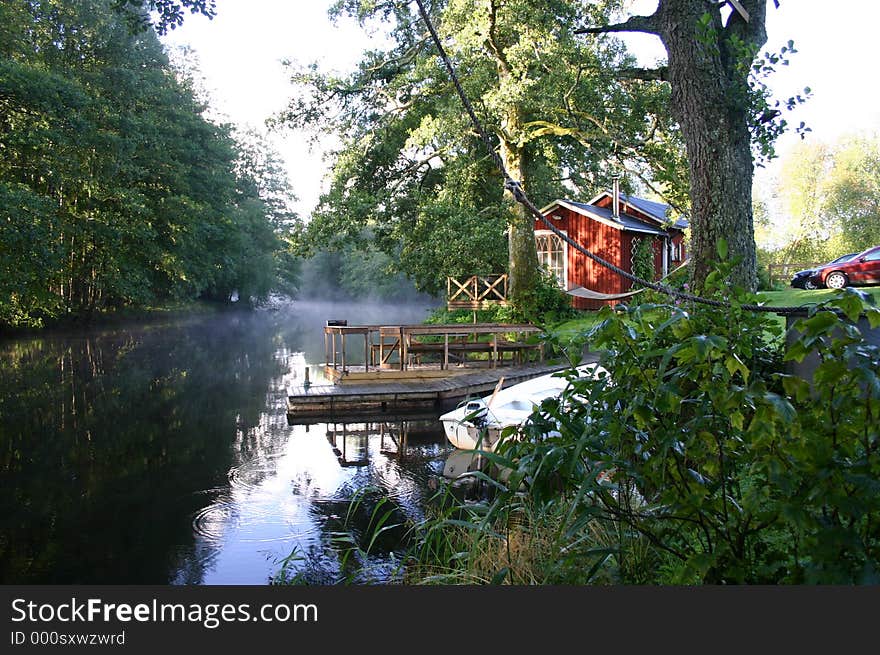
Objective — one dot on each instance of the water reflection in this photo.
(297, 496)
(162, 453)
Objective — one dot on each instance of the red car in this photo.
(861, 270)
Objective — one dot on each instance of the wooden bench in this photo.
(457, 349)
(383, 351)
(521, 350)
(460, 349)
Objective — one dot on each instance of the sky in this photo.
(240, 51)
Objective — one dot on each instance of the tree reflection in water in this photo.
(162, 454)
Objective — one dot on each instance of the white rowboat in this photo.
(477, 424)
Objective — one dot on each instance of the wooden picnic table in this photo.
(458, 339)
(408, 342)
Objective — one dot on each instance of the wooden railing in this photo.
(782, 273)
(476, 292)
(401, 346)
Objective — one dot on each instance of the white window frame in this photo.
(550, 233)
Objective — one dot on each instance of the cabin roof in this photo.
(624, 221)
(659, 211)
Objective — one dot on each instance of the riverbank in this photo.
(121, 317)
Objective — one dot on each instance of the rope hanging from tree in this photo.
(520, 196)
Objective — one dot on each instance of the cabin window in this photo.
(552, 256)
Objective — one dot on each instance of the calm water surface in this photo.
(162, 454)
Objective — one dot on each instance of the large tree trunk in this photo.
(709, 63)
(522, 255)
(708, 101)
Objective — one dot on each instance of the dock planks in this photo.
(359, 401)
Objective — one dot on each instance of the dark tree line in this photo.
(114, 188)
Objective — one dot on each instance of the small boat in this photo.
(478, 423)
(460, 462)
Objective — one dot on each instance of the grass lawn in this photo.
(791, 297)
(565, 331)
(788, 297)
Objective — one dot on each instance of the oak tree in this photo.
(710, 61)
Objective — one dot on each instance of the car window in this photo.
(873, 256)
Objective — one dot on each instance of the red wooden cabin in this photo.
(610, 226)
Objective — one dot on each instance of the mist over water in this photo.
(161, 452)
(311, 315)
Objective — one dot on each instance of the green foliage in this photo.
(765, 257)
(767, 122)
(764, 282)
(371, 524)
(802, 177)
(412, 171)
(370, 274)
(643, 259)
(830, 200)
(544, 304)
(828, 485)
(441, 316)
(114, 189)
(169, 13)
(484, 542)
(853, 193)
(25, 236)
(698, 459)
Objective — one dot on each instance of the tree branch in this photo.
(646, 24)
(752, 30)
(739, 8)
(659, 74)
(492, 40)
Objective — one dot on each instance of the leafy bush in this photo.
(545, 304)
(698, 460)
(441, 315)
(764, 281)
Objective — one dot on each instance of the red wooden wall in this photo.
(603, 240)
(607, 242)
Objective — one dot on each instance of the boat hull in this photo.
(478, 424)
(466, 436)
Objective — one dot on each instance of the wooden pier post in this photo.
(402, 350)
(367, 351)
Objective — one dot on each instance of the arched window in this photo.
(552, 257)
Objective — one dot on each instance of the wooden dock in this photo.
(359, 402)
(406, 349)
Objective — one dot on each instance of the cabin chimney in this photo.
(615, 196)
